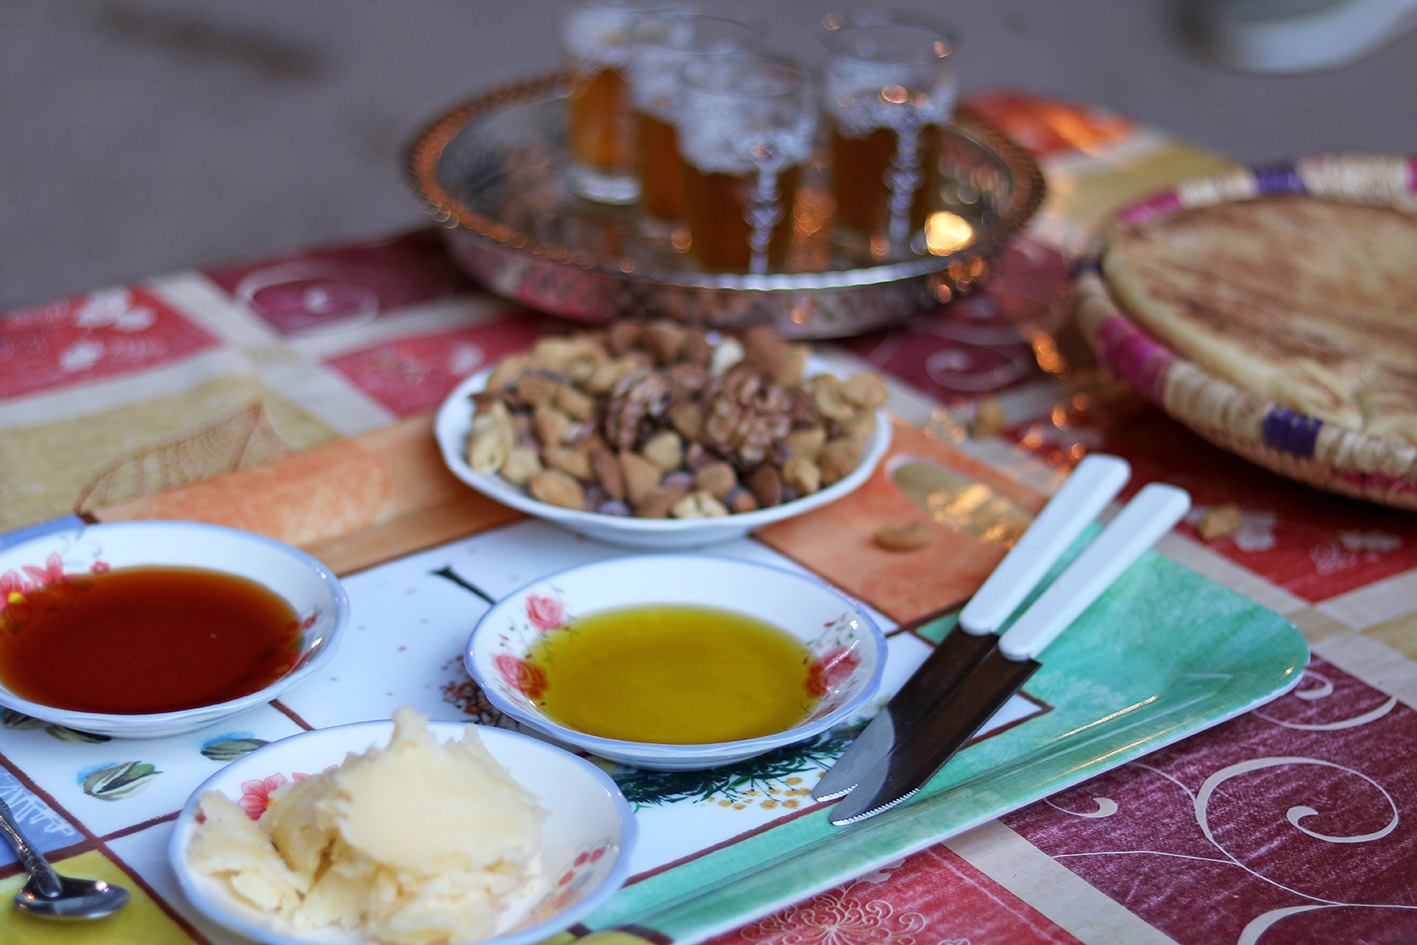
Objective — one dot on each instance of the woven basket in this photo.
(1281, 439)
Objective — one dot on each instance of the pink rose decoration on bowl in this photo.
(545, 613)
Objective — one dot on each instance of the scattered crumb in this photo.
(1220, 522)
(905, 536)
(989, 419)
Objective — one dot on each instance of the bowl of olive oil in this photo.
(678, 661)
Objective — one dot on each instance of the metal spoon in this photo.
(50, 895)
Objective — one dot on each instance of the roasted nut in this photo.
(522, 463)
(507, 371)
(536, 389)
(665, 449)
(1220, 522)
(660, 500)
(574, 403)
(551, 426)
(766, 486)
(663, 341)
(641, 477)
(802, 475)
(572, 461)
(805, 444)
(716, 478)
(643, 416)
(866, 391)
(698, 504)
(905, 536)
(490, 439)
(989, 419)
(555, 487)
(837, 459)
(608, 473)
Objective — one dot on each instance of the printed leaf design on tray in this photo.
(115, 782)
(778, 778)
(18, 721)
(228, 749)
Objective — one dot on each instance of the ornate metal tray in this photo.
(493, 170)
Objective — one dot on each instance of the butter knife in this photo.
(1087, 490)
(915, 758)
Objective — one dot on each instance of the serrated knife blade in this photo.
(1092, 484)
(922, 752)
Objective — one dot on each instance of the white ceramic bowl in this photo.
(307, 585)
(839, 634)
(589, 832)
(454, 421)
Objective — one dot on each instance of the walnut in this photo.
(746, 416)
(555, 487)
(634, 401)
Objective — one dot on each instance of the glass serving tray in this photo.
(494, 171)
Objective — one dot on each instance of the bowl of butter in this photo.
(403, 831)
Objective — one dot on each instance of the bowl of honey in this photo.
(678, 661)
(153, 628)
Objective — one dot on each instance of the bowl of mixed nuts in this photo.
(655, 434)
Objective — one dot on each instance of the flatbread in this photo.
(1307, 302)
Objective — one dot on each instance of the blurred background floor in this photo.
(139, 137)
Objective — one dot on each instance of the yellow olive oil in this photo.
(674, 674)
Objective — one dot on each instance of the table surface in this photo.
(313, 375)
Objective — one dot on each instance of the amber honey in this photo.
(146, 639)
(674, 674)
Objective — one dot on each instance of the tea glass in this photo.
(596, 38)
(746, 132)
(664, 44)
(889, 89)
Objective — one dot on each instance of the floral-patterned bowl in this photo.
(72, 551)
(845, 647)
(588, 835)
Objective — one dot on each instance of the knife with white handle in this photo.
(917, 757)
(1091, 485)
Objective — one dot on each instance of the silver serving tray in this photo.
(493, 170)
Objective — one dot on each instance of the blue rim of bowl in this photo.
(619, 746)
(614, 880)
(109, 721)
